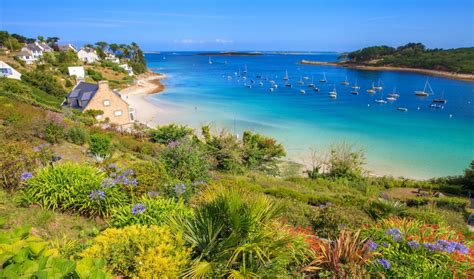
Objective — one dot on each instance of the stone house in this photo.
(88, 55)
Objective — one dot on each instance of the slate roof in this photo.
(83, 92)
(33, 47)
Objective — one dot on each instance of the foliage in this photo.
(169, 133)
(16, 158)
(452, 203)
(73, 187)
(151, 176)
(100, 145)
(384, 208)
(186, 161)
(261, 153)
(408, 248)
(225, 149)
(237, 234)
(149, 211)
(344, 161)
(45, 82)
(345, 257)
(468, 179)
(20, 91)
(77, 135)
(95, 75)
(141, 252)
(25, 256)
(54, 132)
(329, 220)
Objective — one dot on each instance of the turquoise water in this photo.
(419, 143)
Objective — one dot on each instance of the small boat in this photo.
(306, 78)
(275, 86)
(355, 92)
(245, 69)
(288, 85)
(286, 76)
(210, 61)
(302, 91)
(229, 77)
(394, 93)
(244, 78)
(272, 89)
(258, 76)
(371, 90)
(271, 81)
(316, 89)
(324, 78)
(402, 109)
(355, 86)
(333, 96)
(436, 106)
(333, 93)
(381, 100)
(311, 85)
(261, 84)
(345, 82)
(249, 86)
(424, 93)
(252, 81)
(440, 100)
(301, 82)
(379, 85)
(391, 99)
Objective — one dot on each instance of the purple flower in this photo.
(179, 189)
(173, 144)
(461, 248)
(112, 166)
(413, 244)
(397, 237)
(26, 175)
(152, 194)
(128, 172)
(393, 231)
(384, 263)
(107, 183)
(385, 244)
(138, 209)
(97, 195)
(372, 246)
(430, 247)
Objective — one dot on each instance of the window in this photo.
(132, 117)
(98, 117)
(118, 112)
(106, 103)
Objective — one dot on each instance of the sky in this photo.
(296, 25)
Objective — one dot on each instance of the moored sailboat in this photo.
(286, 76)
(324, 78)
(345, 82)
(424, 93)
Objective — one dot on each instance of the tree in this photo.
(345, 161)
(40, 38)
(102, 45)
(114, 47)
(469, 176)
(52, 42)
(261, 153)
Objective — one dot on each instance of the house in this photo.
(78, 72)
(68, 47)
(37, 49)
(4, 50)
(88, 96)
(26, 56)
(112, 58)
(127, 68)
(88, 55)
(8, 72)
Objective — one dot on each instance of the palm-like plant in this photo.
(237, 235)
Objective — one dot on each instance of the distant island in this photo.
(230, 53)
(413, 57)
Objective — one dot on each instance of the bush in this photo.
(169, 133)
(344, 161)
(151, 176)
(100, 145)
(141, 252)
(45, 82)
(186, 161)
(16, 158)
(456, 204)
(149, 211)
(77, 135)
(53, 132)
(226, 151)
(381, 208)
(329, 220)
(96, 76)
(261, 153)
(27, 256)
(73, 187)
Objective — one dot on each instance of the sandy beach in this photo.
(136, 95)
(458, 76)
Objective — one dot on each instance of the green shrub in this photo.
(329, 220)
(453, 203)
(451, 189)
(226, 151)
(261, 153)
(45, 82)
(381, 208)
(16, 158)
(77, 135)
(151, 176)
(186, 161)
(27, 256)
(73, 187)
(169, 133)
(149, 211)
(344, 161)
(424, 215)
(417, 201)
(95, 75)
(141, 252)
(100, 145)
(54, 132)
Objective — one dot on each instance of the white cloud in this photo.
(193, 41)
(223, 41)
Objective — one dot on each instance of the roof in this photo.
(88, 49)
(45, 46)
(33, 47)
(23, 53)
(66, 47)
(83, 92)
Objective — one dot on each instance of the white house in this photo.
(76, 71)
(66, 48)
(37, 49)
(88, 55)
(26, 56)
(112, 58)
(8, 72)
(127, 68)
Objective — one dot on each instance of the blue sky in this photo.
(337, 25)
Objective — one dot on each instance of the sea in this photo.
(419, 143)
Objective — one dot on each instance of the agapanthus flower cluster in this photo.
(446, 246)
(115, 178)
(138, 208)
(413, 244)
(26, 175)
(384, 263)
(372, 246)
(395, 233)
(179, 189)
(97, 195)
(173, 144)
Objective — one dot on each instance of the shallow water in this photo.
(420, 143)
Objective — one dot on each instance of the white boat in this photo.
(275, 86)
(306, 78)
(271, 81)
(345, 82)
(371, 90)
(286, 76)
(424, 93)
(381, 100)
(379, 85)
(311, 85)
(324, 78)
(249, 86)
(333, 93)
(272, 89)
(210, 61)
(245, 69)
(402, 109)
(391, 99)
(316, 89)
(394, 93)
(355, 86)
(261, 84)
(301, 82)
(355, 92)
(440, 100)
(302, 91)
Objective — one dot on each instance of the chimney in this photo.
(103, 84)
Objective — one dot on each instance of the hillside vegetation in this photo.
(416, 55)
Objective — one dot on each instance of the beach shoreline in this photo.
(456, 76)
